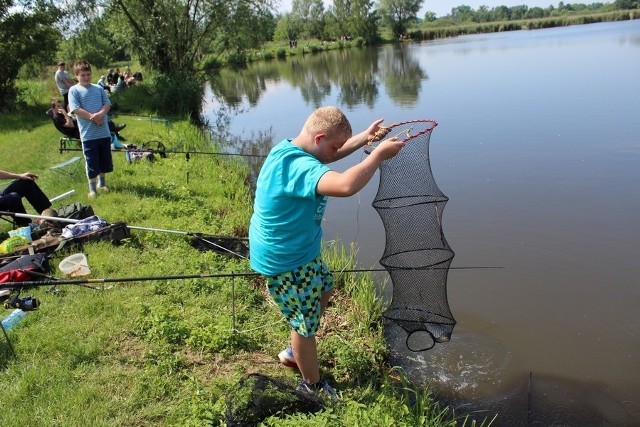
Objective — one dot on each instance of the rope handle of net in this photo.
(424, 126)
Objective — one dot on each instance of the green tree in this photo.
(502, 13)
(399, 13)
(341, 12)
(287, 28)
(626, 4)
(535, 13)
(311, 16)
(363, 21)
(27, 34)
(353, 18)
(170, 36)
(93, 43)
(519, 12)
(462, 13)
(430, 16)
(482, 15)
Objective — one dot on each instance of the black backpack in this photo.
(75, 211)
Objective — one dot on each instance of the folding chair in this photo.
(9, 219)
(68, 142)
(68, 168)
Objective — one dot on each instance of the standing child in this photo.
(90, 104)
(285, 232)
(64, 83)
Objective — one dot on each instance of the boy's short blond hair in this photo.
(80, 66)
(329, 120)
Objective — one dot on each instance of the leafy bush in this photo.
(177, 95)
(237, 59)
(211, 64)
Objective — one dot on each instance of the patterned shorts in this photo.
(297, 293)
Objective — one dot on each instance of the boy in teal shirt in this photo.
(285, 232)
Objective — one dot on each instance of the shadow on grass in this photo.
(142, 190)
(257, 397)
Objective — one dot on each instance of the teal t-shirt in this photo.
(285, 230)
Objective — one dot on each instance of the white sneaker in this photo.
(104, 189)
(316, 389)
(287, 359)
(91, 195)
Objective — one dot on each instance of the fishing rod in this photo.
(207, 240)
(87, 281)
(163, 152)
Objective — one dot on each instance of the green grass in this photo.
(168, 352)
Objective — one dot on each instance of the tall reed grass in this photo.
(436, 31)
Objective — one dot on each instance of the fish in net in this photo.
(416, 255)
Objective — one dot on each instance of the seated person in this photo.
(24, 185)
(68, 125)
(103, 84)
(121, 85)
(111, 77)
(128, 78)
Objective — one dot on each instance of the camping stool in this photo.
(68, 167)
(66, 142)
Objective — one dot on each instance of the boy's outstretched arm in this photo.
(358, 141)
(352, 180)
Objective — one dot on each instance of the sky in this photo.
(443, 7)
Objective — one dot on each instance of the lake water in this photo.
(538, 150)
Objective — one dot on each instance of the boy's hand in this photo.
(389, 148)
(373, 128)
(96, 118)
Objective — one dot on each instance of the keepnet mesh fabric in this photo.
(417, 255)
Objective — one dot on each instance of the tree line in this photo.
(180, 40)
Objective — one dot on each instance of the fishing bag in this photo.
(26, 268)
(112, 233)
(75, 211)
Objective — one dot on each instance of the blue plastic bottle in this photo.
(13, 319)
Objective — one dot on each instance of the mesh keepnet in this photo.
(417, 255)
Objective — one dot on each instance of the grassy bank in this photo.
(171, 352)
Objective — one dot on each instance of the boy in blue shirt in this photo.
(90, 103)
(285, 231)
